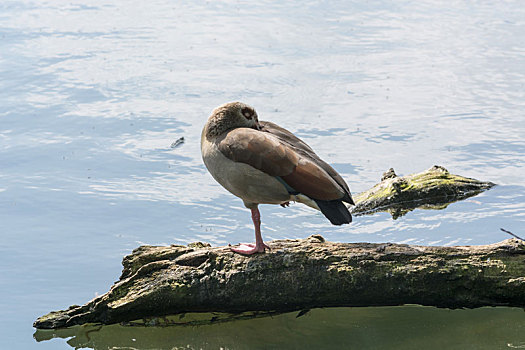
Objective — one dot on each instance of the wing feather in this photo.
(283, 156)
(306, 151)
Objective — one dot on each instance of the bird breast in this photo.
(251, 185)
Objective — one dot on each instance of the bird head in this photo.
(230, 116)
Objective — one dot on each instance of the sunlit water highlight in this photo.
(93, 95)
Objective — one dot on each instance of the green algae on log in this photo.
(434, 188)
(299, 275)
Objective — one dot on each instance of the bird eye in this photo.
(247, 112)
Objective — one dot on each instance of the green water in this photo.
(408, 327)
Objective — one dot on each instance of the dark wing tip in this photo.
(335, 211)
(348, 199)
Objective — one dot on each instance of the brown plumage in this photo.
(263, 163)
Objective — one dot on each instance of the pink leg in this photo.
(259, 246)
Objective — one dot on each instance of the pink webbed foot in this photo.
(259, 246)
(249, 248)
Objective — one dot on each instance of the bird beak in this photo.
(257, 126)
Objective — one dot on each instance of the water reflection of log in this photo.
(311, 273)
(405, 327)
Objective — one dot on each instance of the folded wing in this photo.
(277, 152)
(306, 151)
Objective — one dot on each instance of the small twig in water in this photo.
(178, 142)
(512, 234)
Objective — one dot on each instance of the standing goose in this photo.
(262, 163)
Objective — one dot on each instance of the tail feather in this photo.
(335, 211)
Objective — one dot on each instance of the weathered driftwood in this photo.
(303, 274)
(434, 188)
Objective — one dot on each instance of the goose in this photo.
(263, 163)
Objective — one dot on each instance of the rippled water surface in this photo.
(93, 94)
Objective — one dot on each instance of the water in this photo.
(402, 328)
(92, 95)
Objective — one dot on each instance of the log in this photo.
(434, 188)
(300, 275)
(303, 274)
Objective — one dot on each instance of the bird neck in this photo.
(217, 125)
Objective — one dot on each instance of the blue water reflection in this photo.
(93, 95)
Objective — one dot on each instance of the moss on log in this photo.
(310, 273)
(434, 188)
(303, 274)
